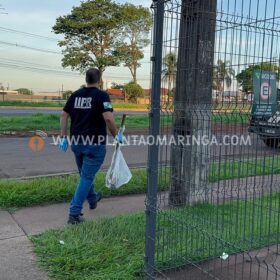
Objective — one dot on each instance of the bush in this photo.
(133, 91)
(66, 94)
(24, 91)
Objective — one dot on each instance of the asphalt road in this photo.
(26, 112)
(17, 160)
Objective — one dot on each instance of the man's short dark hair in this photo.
(93, 76)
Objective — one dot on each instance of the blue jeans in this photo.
(89, 159)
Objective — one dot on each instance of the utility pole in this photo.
(193, 97)
(61, 91)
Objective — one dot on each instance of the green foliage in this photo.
(169, 72)
(24, 91)
(101, 33)
(133, 91)
(66, 94)
(222, 74)
(117, 86)
(137, 22)
(91, 35)
(245, 77)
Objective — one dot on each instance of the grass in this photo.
(231, 118)
(116, 104)
(42, 104)
(242, 168)
(62, 103)
(37, 121)
(26, 193)
(233, 106)
(41, 121)
(129, 106)
(113, 248)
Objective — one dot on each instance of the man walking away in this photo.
(90, 111)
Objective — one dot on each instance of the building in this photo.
(116, 94)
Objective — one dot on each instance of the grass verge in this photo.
(60, 104)
(31, 103)
(26, 193)
(37, 121)
(41, 121)
(113, 248)
(242, 168)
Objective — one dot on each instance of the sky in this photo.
(38, 17)
(232, 43)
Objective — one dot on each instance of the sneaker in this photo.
(73, 220)
(93, 205)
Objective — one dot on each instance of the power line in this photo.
(30, 63)
(28, 47)
(37, 69)
(44, 50)
(10, 30)
(25, 63)
(31, 68)
(27, 33)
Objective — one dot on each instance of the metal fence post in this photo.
(151, 203)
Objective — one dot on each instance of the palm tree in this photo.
(169, 71)
(222, 74)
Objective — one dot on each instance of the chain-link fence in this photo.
(216, 121)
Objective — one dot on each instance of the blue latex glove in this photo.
(119, 138)
(63, 145)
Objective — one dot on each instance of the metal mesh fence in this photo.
(215, 115)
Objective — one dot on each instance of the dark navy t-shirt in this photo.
(85, 107)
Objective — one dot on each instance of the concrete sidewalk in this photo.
(17, 260)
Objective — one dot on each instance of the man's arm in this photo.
(63, 123)
(110, 121)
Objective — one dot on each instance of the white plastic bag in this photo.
(118, 173)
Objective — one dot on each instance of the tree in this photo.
(169, 72)
(91, 35)
(222, 74)
(2, 91)
(245, 77)
(117, 86)
(133, 91)
(24, 91)
(137, 22)
(66, 94)
(192, 103)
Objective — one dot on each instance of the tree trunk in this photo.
(134, 74)
(192, 102)
(169, 91)
(101, 78)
